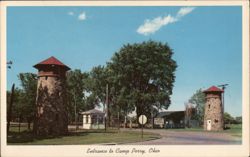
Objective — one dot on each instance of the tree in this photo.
(228, 119)
(76, 89)
(101, 78)
(18, 106)
(238, 120)
(97, 84)
(144, 75)
(198, 99)
(190, 113)
(10, 106)
(28, 99)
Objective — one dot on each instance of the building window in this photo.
(208, 106)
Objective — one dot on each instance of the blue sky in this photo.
(207, 42)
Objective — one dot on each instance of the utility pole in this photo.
(9, 63)
(118, 117)
(107, 102)
(9, 113)
(223, 86)
(75, 111)
(152, 117)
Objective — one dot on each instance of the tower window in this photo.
(209, 106)
(46, 77)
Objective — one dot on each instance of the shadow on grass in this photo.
(28, 136)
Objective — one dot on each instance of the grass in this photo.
(74, 138)
(25, 137)
(15, 128)
(233, 129)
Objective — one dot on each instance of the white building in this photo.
(93, 119)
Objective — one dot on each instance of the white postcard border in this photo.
(166, 150)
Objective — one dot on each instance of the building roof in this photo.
(93, 111)
(167, 113)
(213, 89)
(51, 61)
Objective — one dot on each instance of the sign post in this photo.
(142, 121)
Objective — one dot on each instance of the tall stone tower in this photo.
(213, 117)
(51, 114)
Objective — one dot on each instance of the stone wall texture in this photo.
(213, 112)
(51, 117)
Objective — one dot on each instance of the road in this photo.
(189, 138)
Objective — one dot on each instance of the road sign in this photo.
(142, 119)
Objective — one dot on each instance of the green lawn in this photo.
(83, 137)
(234, 130)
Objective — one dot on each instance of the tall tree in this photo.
(198, 99)
(29, 85)
(96, 84)
(76, 89)
(10, 106)
(101, 78)
(145, 71)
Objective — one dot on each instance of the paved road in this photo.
(189, 137)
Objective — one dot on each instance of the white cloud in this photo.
(184, 11)
(71, 13)
(151, 26)
(82, 16)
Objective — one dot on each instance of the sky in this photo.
(206, 41)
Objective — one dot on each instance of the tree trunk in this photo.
(29, 123)
(29, 126)
(138, 113)
(9, 114)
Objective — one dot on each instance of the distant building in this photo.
(93, 119)
(172, 119)
(213, 117)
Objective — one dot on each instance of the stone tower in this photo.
(213, 116)
(51, 114)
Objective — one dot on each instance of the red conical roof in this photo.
(51, 61)
(213, 89)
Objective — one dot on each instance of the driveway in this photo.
(189, 138)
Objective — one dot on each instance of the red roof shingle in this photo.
(51, 61)
(213, 89)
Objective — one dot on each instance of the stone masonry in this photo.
(51, 115)
(213, 116)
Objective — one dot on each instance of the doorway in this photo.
(209, 124)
